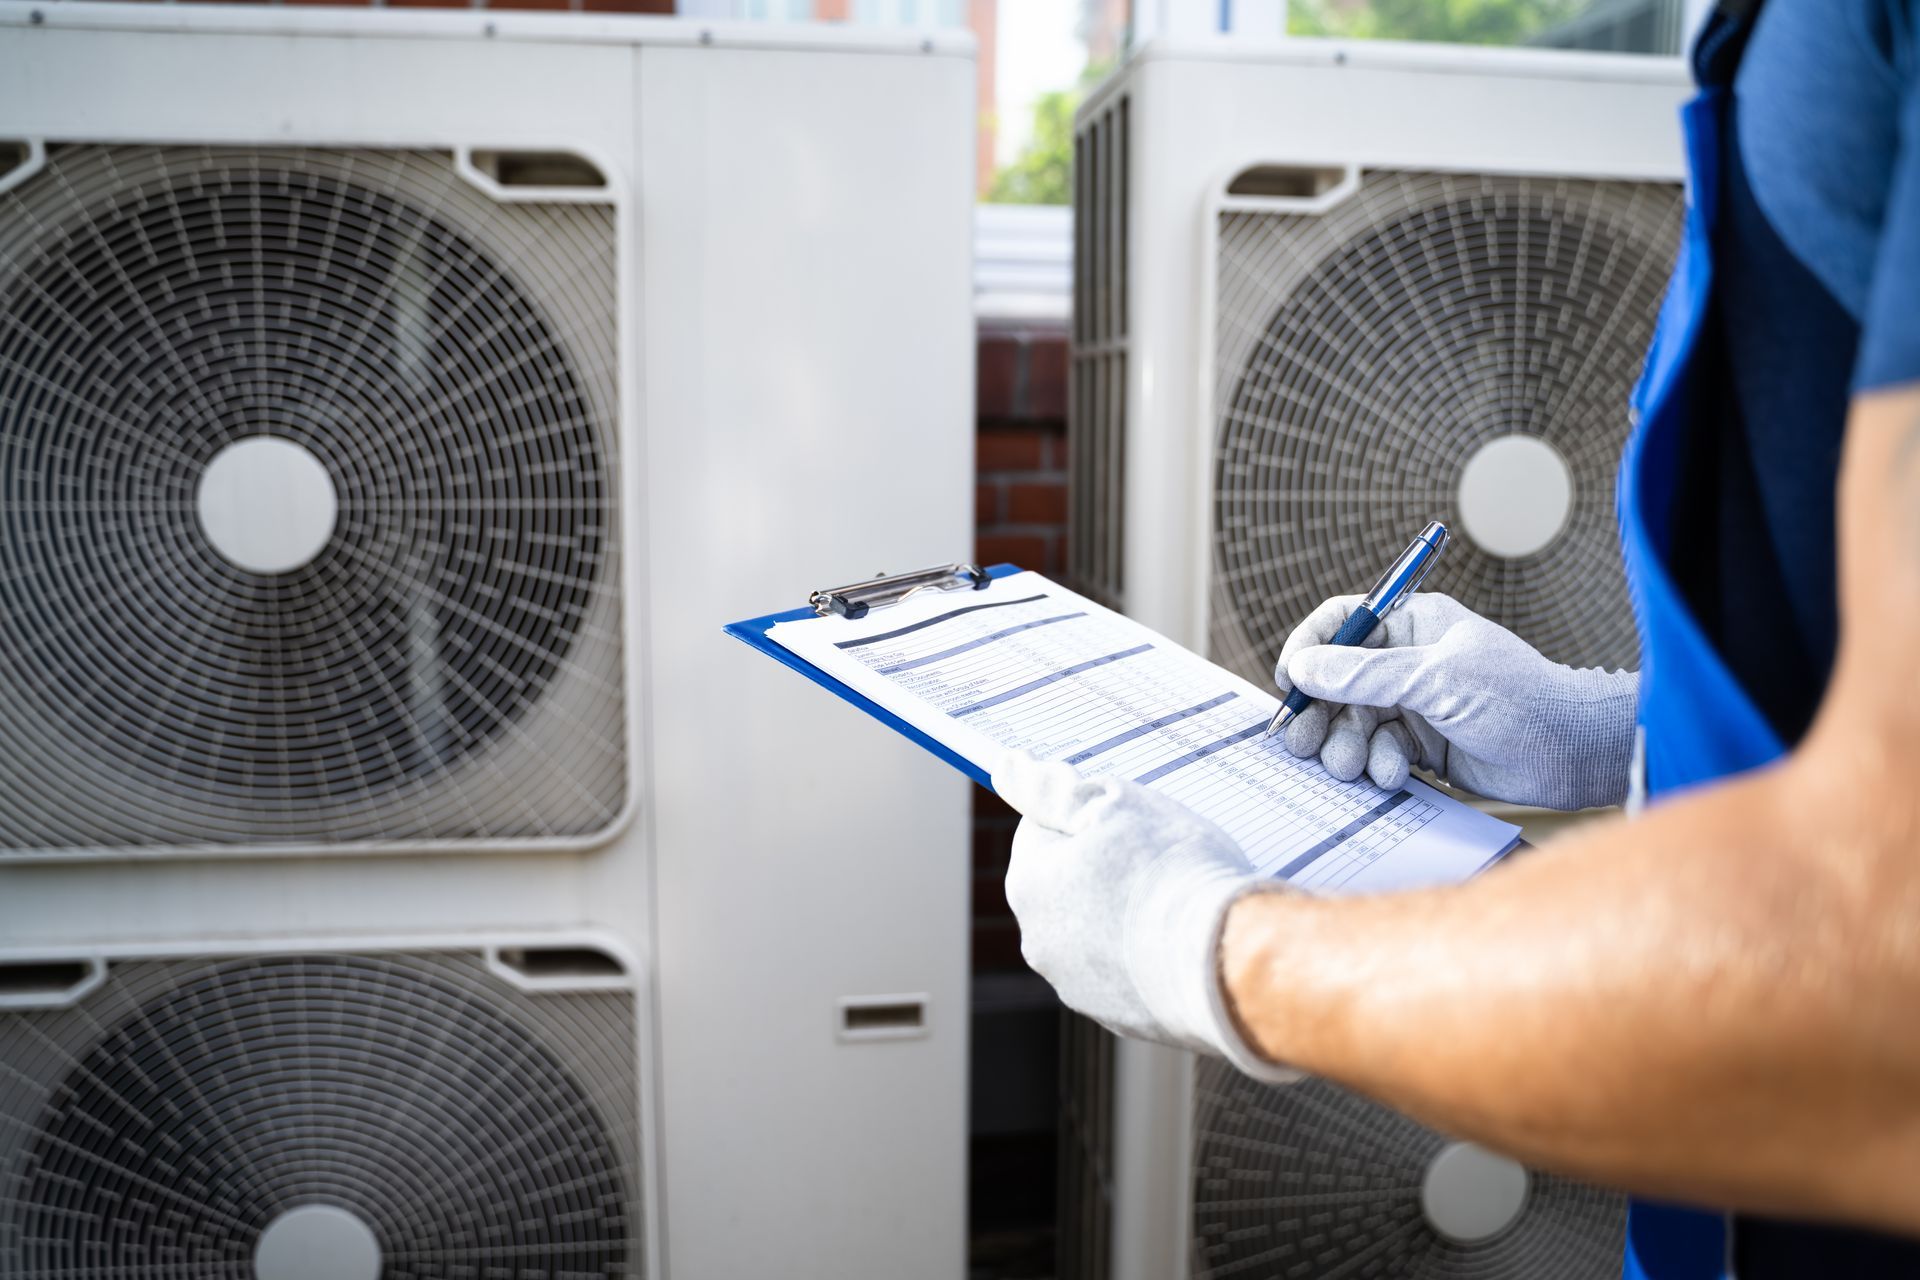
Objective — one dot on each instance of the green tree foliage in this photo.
(1458, 21)
(1043, 172)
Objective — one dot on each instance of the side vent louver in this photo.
(1097, 403)
(1085, 1161)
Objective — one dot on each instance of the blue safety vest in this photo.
(1696, 722)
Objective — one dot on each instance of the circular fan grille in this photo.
(409, 1093)
(435, 354)
(1366, 354)
(1309, 1180)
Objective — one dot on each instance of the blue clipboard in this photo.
(754, 632)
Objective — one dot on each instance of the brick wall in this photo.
(1022, 461)
(1022, 518)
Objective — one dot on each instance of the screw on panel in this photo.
(36, 17)
(706, 37)
(489, 31)
(926, 46)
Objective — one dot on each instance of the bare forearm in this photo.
(1712, 1003)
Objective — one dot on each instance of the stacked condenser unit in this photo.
(1327, 292)
(400, 873)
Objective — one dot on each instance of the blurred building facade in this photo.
(1104, 25)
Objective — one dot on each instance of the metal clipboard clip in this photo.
(853, 601)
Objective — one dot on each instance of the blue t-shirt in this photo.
(1827, 132)
(1818, 257)
(1816, 296)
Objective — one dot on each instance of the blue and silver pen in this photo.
(1400, 580)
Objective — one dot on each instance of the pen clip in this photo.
(1436, 536)
(1405, 575)
(1419, 579)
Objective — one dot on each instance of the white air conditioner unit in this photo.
(1325, 292)
(470, 1109)
(393, 408)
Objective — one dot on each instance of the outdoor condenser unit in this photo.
(398, 865)
(1324, 293)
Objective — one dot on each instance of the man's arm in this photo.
(1719, 1001)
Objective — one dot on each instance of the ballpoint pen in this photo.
(1401, 580)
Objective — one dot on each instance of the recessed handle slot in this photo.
(1289, 188)
(539, 964)
(562, 965)
(1286, 181)
(20, 159)
(885, 1017)
(48, 984)
(882, 1017)
(534, 177)
(539, 169)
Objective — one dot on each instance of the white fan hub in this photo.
(317, 1242)
(1516, 493)
(1471, 1194)
(267, 504)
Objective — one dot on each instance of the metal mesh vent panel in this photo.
(1364, 354)
(1097, 394)
(162, 1125)
(1310, 1180)
(448, 665)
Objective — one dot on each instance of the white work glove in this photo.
(1439, 687)
(1121, 894)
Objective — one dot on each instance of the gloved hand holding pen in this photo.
(1438, 687)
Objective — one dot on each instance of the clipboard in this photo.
(1370, 838)
(856, 600)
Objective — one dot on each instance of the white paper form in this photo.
(1027, 664)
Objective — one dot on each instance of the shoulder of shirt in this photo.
(1884, 34)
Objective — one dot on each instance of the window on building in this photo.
(910, 13)
(1618, 26)
(777, 10)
